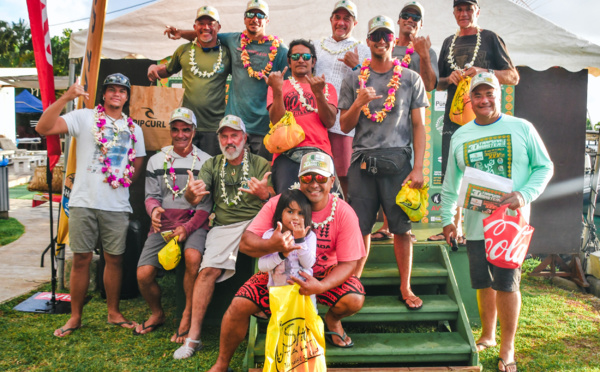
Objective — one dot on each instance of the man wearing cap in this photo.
(337, 55)
(470, 51)
(172, 216)
(205, 65)
(110, 148)
(311, 100)
(239, 184)
(339, 248)
(508, 147)
(386, 104)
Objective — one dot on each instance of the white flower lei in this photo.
(330, 218)
(245, 168)
(195, 70)
(451, 52)
(301, 94)
(337, 51)
(175, 189)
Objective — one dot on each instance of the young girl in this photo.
(292, 213)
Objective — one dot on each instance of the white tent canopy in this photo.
(531, 40)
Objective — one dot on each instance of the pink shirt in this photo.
(338, 241)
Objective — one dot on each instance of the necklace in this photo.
(301, 94)
(320, 225)
(169, 159)
(245, 168)
(195, 70)
(245, 40)
(103, 144)
(343, 50)
(394, 83)
(451, 51)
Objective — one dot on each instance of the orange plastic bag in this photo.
(284, 135)
(461, 111)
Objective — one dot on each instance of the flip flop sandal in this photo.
(177, 335)
(121, 324)
(383, 235)
(412, 300)
(329, 338)
(508, 367)
(186, 351)
(484, 346)
(63, 332)
(151, 327)
(437, 238)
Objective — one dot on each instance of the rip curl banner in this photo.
(89, 80)
(40, 37)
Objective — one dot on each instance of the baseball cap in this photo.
(414, 5)
(208, 11)
(473, 2)
(258, 5)
(232, 122)
(381, 21)
(485, 78)
(117, 79)
(316, 162)
(183, 114)
(349, 6)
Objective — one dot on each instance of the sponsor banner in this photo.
(48, 296)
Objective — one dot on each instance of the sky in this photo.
(580, 17)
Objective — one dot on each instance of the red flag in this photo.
(40, 36)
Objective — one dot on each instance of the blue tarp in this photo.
(26, 103)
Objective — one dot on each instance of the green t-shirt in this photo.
(248, 205)
(205, 96)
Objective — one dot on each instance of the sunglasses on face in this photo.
(381, 34)
(308, 178)
(258, 15)
(406, 16)
(304, 56)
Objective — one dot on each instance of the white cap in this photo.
(484, 78)
(183, 114)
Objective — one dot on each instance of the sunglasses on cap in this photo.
(381, 34)
(258, 15)
(308, 178)
(304, 56)
(406, 16)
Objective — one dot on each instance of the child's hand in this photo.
(299, 230)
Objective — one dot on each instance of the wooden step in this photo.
(392, 348)
(386, 273)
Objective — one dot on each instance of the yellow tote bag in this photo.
(170, 255)
(413, 202)
(284, 135)
(295, 335)
(461, 111)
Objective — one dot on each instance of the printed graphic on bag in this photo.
(482, 199)
(296, 343)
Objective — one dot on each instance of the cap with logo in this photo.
(183, 114)
(258, 5)
(349, 6)
(414, 5)
(484, 78)
(316, 162)
(117, 79)
(208, 11)
(472, 2)
(380, 22)
(233, 122)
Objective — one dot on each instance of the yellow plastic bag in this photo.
(295, 336)
(284, 135)
(461, 111)
(413, 202)
(170, 255)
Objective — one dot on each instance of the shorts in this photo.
(447, 132)
(86, 224)
(486, 275)
(221, 248)
(255, 290)
(256, 145)
(285, 173)
(207, 142)
(341, 147)
(155, 243)
(366, 193)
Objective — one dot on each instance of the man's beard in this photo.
(235, 154)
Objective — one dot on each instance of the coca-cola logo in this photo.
(506, 242)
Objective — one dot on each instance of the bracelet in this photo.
(356, 67)
(267, 199)
(281, 256)
(300, 240)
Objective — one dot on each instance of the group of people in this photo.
(219, 191)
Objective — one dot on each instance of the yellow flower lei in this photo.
(245, 40)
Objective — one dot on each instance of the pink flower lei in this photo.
(104, 145)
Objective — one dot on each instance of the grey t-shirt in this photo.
(396, 128)
(415, 60)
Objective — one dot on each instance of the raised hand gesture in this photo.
(275, 79)
(75, 91)
(350, 58)
(283, 242)
(260, 189)
(317, 84)
(299, 230)
(421, 44)
(196, 189)
(172, 32)
(366, 95)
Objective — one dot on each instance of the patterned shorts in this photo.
(255, 289)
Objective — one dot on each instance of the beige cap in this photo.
(316, 162)
(416, 6)
(258, 5)
(484, 78)
(232, 122)
(379, 22)
(349, 6)
(183, 114)
(208, 11)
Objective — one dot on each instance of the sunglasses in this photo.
(381, 34)
(406, 16)
(258, 15)
(308, 178)
(304, 56)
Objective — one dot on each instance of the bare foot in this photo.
(70, 326)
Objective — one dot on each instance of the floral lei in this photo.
(169, 159)
(330, 218)
(337, 51)
(195, 70)
(394, 83)
(301, 94)
(245, 40)
(451, 51)
(104, 145)
(245, 168)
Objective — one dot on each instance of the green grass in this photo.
(21, 192)
(10, 230)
